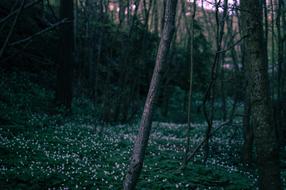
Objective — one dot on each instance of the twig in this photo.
(16, 11)
(11, 10)
(233, 45)
(204, 141)
(12, 28)
(38, 33)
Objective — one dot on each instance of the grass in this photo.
(76, 156)
(44, 151)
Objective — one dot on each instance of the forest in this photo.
(143, 94)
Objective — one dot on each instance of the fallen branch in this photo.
(38, 33)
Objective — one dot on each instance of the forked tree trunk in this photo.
(141, 141)
(267, 150)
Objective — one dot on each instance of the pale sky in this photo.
(209, 4)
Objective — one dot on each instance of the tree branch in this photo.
(38, 33)
(233, 45)
(17, 10)
(205, 140)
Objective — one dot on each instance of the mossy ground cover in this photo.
(77, 156)
(50, 151)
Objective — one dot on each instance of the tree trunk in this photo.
(146, 120)
(247, 148)
(281, 49)
(283, 90)
(248, 132)
(163, 16)
(191, 33)
(65, 58)
(122, 7)
(267, 150)
(211, 89)
(273, 48)
(222, 86)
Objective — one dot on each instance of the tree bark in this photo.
(248, 135)
(248, 131)
(273, 47)
(267, 150)
(141, 141)
(222, 88)
(122, 6)
(191, 33)
(280, 69)
(65, 58)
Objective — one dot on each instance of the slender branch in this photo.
(210, 93)
(12, 28)
(233, 45)
(205, 140)
(39, 33)
(17, 10)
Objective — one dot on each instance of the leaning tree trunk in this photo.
(65, 59)
(267, 150)
(141, 141)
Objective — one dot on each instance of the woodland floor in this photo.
(39, 151)
(73, 155)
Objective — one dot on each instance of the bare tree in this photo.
(267, 150)
(191, 33)
(141, 141)
(280, 22)
(210, 92)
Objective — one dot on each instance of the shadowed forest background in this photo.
(143, 94)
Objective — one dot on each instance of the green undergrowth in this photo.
(76, 156)
(42, 148)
